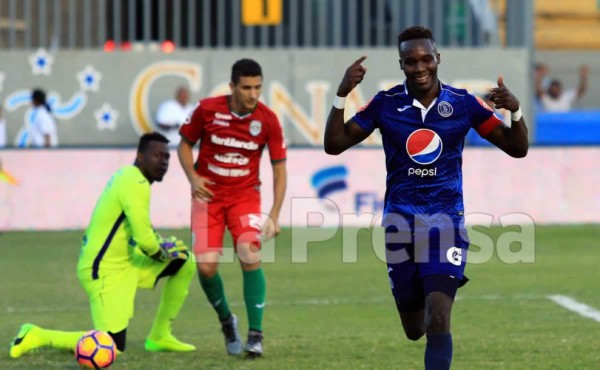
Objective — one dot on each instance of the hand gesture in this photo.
(270, 229)
(200, 188)
(503, 98)
(353, 76)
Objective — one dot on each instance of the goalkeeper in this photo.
(120, 252)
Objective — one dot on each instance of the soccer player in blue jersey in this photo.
(423, 123)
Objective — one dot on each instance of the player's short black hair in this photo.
(245, 68)
(415, 32)
(147, 138)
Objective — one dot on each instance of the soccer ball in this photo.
(95, 350)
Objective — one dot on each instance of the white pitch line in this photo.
(576, 306)
(376, 300)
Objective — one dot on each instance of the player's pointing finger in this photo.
(360, 60)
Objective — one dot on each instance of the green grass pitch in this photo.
(326, 314)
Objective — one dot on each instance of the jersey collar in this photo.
(417, 104)
(236, 115)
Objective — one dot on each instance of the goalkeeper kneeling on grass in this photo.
(121, 252)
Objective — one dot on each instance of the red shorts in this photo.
(239, 211)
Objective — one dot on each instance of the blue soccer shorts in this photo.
(423, 261)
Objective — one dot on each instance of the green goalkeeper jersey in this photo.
(120, 223)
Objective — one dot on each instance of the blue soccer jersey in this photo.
(423, 147)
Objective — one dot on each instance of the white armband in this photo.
(516, 116)
(339, 102)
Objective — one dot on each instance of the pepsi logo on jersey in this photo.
(424, 147)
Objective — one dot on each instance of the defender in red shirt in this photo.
(233, 131)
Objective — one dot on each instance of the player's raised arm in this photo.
(512, 140)
(340, 136)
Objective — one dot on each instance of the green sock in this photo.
(255, 291)
(59, 339)
(215, 293)
(173, 296)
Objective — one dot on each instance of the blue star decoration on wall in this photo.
(89, 79)
(41, 62)
(106, 117)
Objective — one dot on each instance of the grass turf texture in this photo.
(326, 314)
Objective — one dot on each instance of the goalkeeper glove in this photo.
(171, 249)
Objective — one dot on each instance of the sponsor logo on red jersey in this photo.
(233, 142)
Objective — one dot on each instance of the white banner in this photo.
(58, 188)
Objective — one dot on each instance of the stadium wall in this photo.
(58, 188)
(107, 99)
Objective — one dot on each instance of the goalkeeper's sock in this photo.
(31, 337)
(438, 351)
(215, 293)
(172, 298)
(255, 291)
(62, 339)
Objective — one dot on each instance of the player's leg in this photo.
(212, 284)
(442, 275)
(405, 283)
(410, 303)
(208, 228)
(440, 291)
(255, 289)
(112, 298)
(31, 337)
(412, 322)
(178, 273)
(244, 222)
(213, 287)
(111, 303)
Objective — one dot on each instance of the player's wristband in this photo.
(516, 116)
(339, 102)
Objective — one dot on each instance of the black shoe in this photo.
(254, 347)
(233, 342)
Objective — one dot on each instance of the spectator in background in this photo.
(554, 98)
(541, 75)
(2, 130)
(172, 113)
(43, 126)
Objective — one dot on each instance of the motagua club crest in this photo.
(445, 109)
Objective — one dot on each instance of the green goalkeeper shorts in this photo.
(112, 295)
